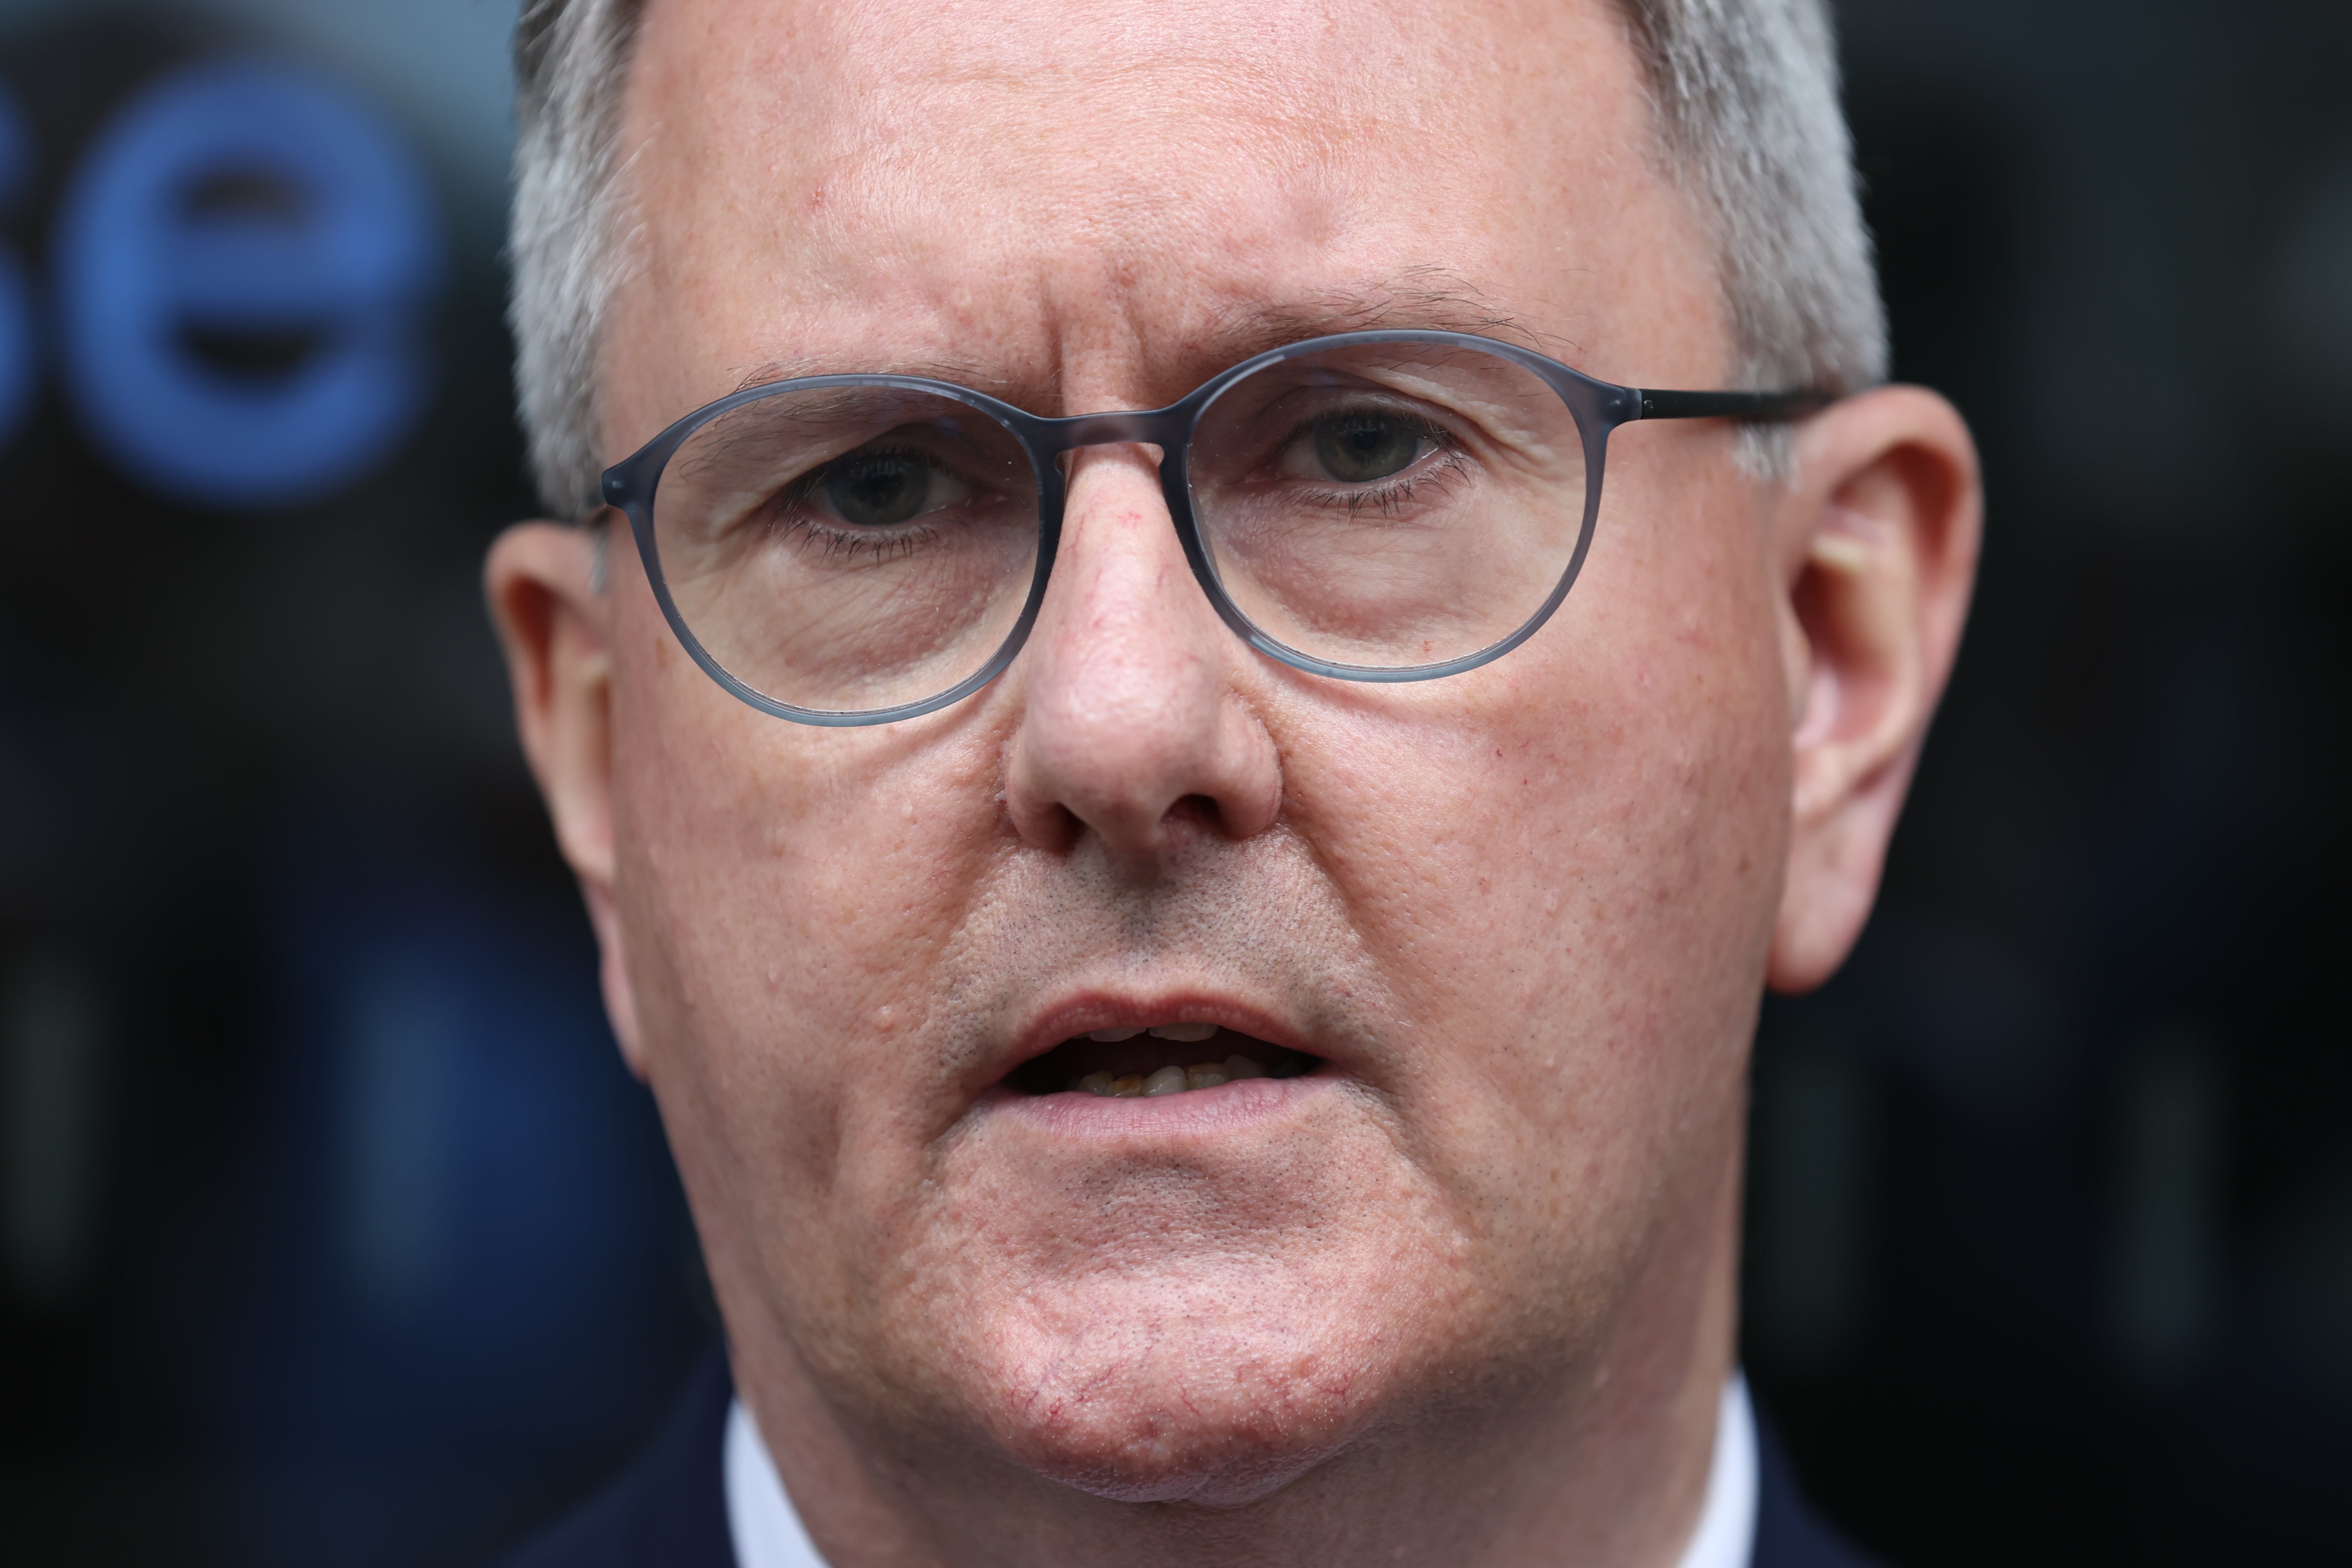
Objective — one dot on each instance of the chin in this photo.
(1172, 1401)
(1200, 1299)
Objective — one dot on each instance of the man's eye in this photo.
(876, 490)
(1358, 449)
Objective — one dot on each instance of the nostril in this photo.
(1198, 809)
(1048, 824)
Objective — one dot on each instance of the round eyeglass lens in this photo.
(1389, 505)
(849, 548)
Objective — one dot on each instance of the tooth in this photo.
(1242, 1067)
(1189, 1033)
(1204, 1075)
(1093, 1083)
(1112, 1037)
(1126, 1088)
(1167, 1080)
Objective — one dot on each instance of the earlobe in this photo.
(550, 618)
(1879, 538)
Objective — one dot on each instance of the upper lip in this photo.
(1082, 1012)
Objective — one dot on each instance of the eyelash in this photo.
(835, 542)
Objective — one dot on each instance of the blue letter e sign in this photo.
(242, 261)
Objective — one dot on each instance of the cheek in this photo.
(1602, 828)
(1569, 862)
(785, 893)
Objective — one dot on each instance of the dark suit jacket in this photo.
(670, 1511)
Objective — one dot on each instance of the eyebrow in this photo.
(1426, 299)
(792, 367)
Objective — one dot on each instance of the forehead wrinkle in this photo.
(1174, 55)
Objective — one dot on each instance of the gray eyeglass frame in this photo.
(1598, 407)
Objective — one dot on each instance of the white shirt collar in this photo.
(768, 1532)
(1726, 1536)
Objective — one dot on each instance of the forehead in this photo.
(1024, 185)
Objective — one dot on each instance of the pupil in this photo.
(1359, 448)
(874, 492)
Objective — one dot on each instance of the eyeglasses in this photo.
(1374, 506)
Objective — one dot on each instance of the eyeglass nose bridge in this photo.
(1162, 427)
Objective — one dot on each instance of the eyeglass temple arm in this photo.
(1759, 405)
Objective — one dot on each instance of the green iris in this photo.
(879, 489)
(1358, 449)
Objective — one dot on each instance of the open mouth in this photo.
(1164, 1059)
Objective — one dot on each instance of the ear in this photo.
(1878, 541)
(553, 621)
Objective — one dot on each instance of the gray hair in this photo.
(1746, 95)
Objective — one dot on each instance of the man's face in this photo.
(1518, 917)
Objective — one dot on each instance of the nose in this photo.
(1133, 725)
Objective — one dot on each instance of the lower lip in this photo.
(1225, 1107)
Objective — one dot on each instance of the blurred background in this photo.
(332, 1233)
